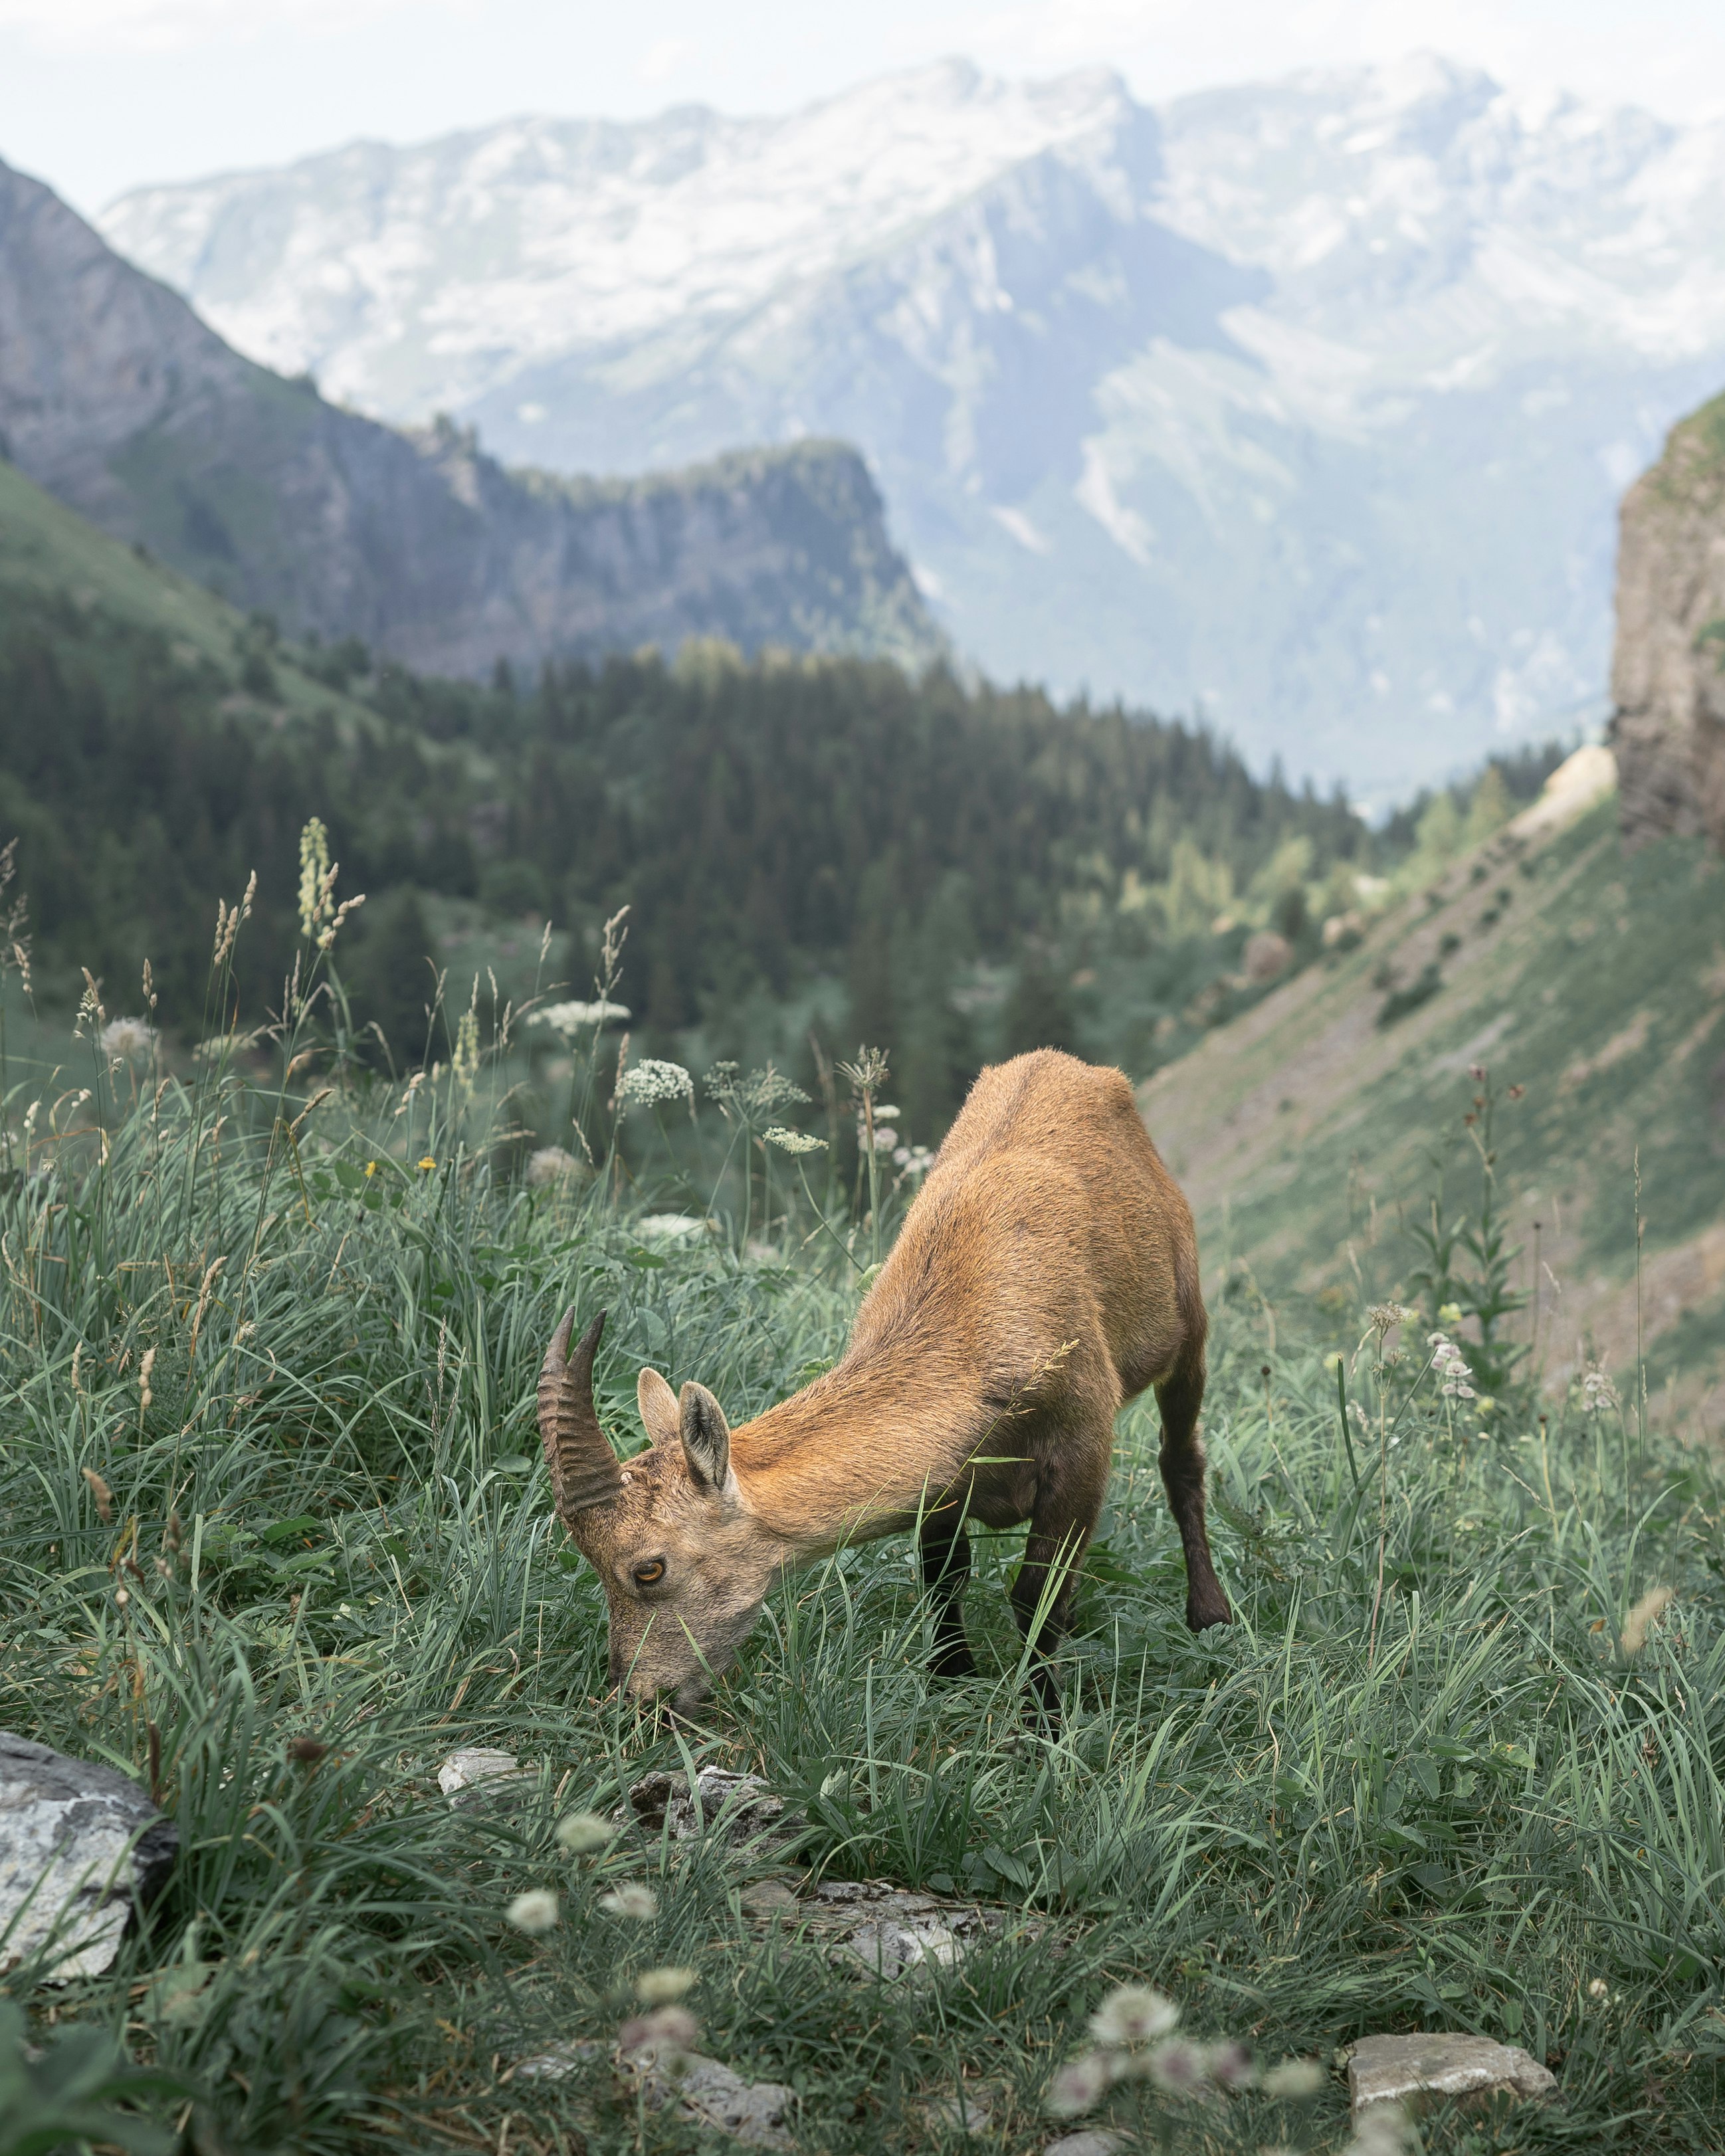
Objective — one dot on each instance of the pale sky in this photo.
(97, 96)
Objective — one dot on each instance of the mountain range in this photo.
(119, 400)
(1304, 405)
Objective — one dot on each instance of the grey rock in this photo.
(558, 2061)
(1094, 2140)
(768, 1898)
(79, 1845)
(117, 399)
(743, 1803)
(966, 2110)
(753, 2113)
(1412, 2071)
(478, 1776)
(891, 1950)
(892, 1931)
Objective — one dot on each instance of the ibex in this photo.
(1046, 1273)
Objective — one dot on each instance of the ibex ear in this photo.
(707, 1437)
(661, 1416)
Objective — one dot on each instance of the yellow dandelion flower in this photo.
(428, 1162)
(371, 1167)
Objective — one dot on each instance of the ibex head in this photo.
(685, 1564)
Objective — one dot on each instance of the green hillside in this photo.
(1311, 1134)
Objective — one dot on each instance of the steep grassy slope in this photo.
(53, 559)
(1595, 979)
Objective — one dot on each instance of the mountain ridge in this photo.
(1380, 350)
(116, 396)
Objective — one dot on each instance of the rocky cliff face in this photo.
(116, 398)
(1668, 669)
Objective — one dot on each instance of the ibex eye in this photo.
(649, 1575)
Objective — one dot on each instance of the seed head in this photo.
(639, 1904)
(1296, 2080)
(535, 1912)
(581, 1833)
(103, 1494)
(1080, 2085)
(664, 1987)
(549, 1166)
(1177, 2066)
(127, 1039)
(1132, 2015)
(673, 2032)
(1645, 1614)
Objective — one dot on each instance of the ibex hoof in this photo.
(1204, 1610)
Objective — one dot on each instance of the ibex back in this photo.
(1046, 1274)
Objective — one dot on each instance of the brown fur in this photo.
(1046, 1274)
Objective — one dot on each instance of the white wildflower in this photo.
(1599, 1989)
(1296, 2079)
(127, 1039)
(1385, 1318)
(1599, 1395)
(1450, 1367)
(664, 1987)
(885, 1137)
(581, 1833)
(913, 1160)
(651, 1081)
(1080, 2085)
(573, 1018)
(535, 1912)
(790, 1140)
(1133, 2015)
(639, 1903)
(550, 1164)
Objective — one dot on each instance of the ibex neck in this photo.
(861, 1452)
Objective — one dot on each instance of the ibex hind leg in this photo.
(945, 1570)
(1062, 1522)
(1179, 1396)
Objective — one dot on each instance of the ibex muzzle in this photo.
(1046, 1274)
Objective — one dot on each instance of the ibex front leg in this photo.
(946, 1572)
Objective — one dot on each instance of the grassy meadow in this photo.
(275, 1533)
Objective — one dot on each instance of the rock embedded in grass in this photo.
(1093, 2141)
(743, 1803)
(769, 1898)
(79, 1845)
(1438, 2067)
(477, 1775)
(713, 2094)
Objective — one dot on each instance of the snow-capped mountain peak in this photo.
(1305, 403)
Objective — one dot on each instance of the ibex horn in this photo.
(584, 1468)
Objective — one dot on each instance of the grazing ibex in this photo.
(1047, 1273)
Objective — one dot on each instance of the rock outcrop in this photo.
(114, 397)
(1668, 669)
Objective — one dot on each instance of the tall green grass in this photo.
(320, 1554)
